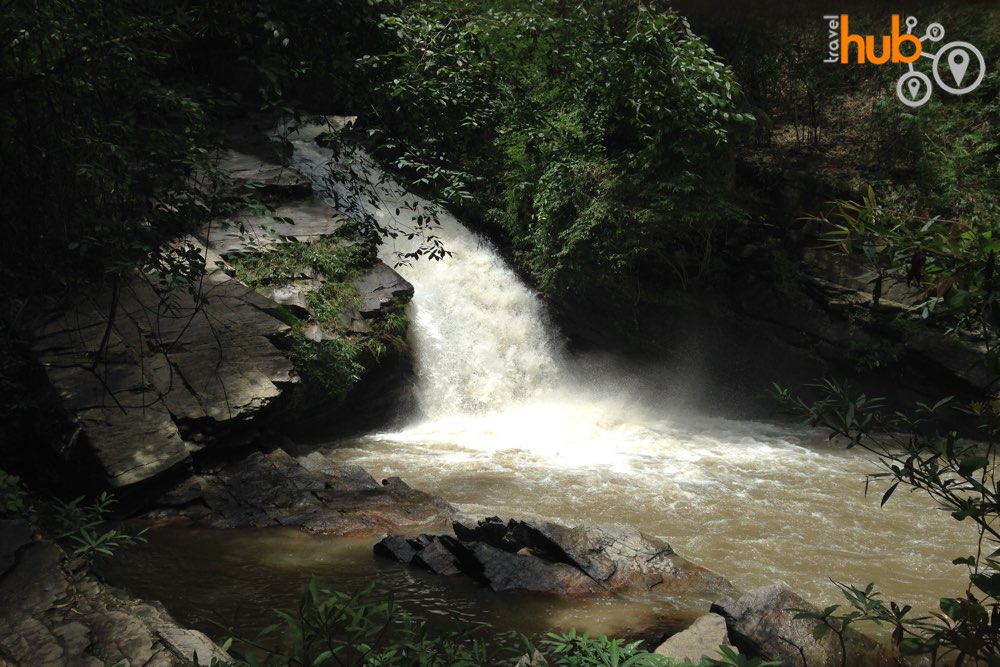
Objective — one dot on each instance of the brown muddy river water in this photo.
(755, 502)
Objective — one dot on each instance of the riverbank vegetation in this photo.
(957, 263)
(360, 630)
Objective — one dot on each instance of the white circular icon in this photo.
(914, 89)
(935, 32)
(957, 57)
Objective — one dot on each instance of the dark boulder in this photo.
(547, 557)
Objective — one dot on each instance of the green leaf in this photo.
(912, 646)
(970, 464)
(951, 607)
(956, 298)
(888, 494)
(987, 583)
(942, 402)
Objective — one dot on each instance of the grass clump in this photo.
(334, 365)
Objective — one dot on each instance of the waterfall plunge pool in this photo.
(513, 426)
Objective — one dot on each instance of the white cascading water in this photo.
(512, 426)
(479, 334)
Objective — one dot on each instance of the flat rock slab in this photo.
(214, 360)
(254, 176)
(125, 424)
(276, 489)
(51, 617)
(547, 557)
(164, 360)
(305, 220)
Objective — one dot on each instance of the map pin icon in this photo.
(958, 63)
(914, 86)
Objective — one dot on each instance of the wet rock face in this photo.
(277, 489)
(760, 623)
(546, 557)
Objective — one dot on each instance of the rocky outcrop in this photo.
(380, 287)
(252, 174)
(761, 623)
(250, 231)
(146, 377)
(56, 614)
(277, 489)
(149, 376)
(702, 638)
(546, 557)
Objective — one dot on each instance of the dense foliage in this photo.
(594, 134)
(110, 113)
(845, 123)
(951, 265)
(333, 628)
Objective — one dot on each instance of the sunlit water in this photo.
(751, 501)
(511, 425)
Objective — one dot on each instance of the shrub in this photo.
(81, 525)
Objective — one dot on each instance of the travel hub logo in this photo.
(957, 67)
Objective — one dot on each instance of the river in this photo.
(511, 424)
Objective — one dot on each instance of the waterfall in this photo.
(480, 337)
(512, 426)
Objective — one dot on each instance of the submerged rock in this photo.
(277, 489)
(547, 557)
